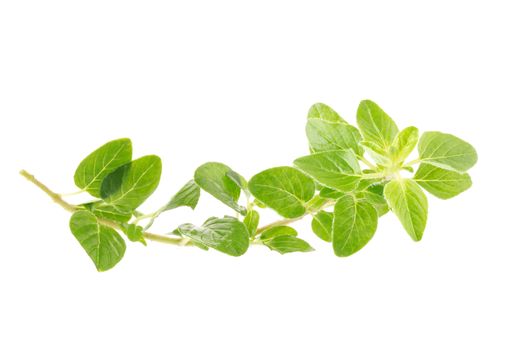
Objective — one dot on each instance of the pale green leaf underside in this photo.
(103, 244)
(187, 196)
(335, 169)
(354, 225)
(375, 125)
(277, 231)
(288, 244)
(284, 189)
(442, 183)
(214, 178)
(96, 166)
(322, 225)
(446, 151)
(227, 235)
(409, 203)
(131, 184)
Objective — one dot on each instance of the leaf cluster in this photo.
(351, 177)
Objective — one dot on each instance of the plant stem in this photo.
(72, 208)
(413, 162)
(289, 221)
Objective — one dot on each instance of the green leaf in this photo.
(321, 111)
(238, 179)
(213, 178)
(277, 231)
(227, 235)
(284, 189)
(96, 166)
(103, 244)
(188, 196)
(409, 203)
(404, 143)
(377, 201)
(330, 193)
(442, 183)
(131, 184)
(322, 225)
(108, 211)
(331, 136)
(335, 169)
(446, 151)
(251, 221)
(288, 244)
(354, 224)
(375, 125)
(376, 152)
(135, 233)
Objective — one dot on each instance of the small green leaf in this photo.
(377, 201)
(103, 244)
(335, 169)
(354, 225)
(324, 112)
(227, 235)
(322, 225)
(135, 233)
(288, 244)
(188, 196)
(284, 189)
(375, 125)
(213, 178)
(108, 211)
(96, 166)
(277, 231)
(131, 184)
(251, 221)
(332, 136)
(404, 143)
(446, 151)
(376, 152)
(442, 183)
(409, 203)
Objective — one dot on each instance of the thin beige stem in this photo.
(72, 208)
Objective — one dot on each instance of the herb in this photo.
(337, 185)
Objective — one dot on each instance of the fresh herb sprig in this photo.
(342, 190)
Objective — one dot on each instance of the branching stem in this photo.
(72, 208)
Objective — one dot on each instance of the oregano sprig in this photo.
(351, 177)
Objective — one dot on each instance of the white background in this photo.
(231, 81)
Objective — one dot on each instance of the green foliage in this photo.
(355, 223)
(227, 235)
(334, 173)
(288, 244)
(446, 151)
(216, 179)
(188, 196)
(409, 203)
(104, 160)
(375, 125)
(442, 183)
(284, 189)
(335, 169)
(131, 184)
(322, 225)
(277, 231)
(103, 244)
